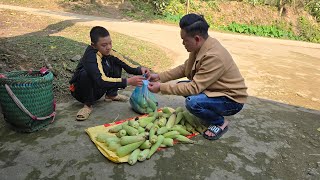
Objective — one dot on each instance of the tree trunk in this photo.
(188, 4)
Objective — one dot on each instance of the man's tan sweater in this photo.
(211, 71)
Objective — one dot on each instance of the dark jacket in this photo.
(99, 68)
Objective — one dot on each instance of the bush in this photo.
(260, 30)
(308, 31)
(314, 9)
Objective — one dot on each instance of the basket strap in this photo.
(25, 110)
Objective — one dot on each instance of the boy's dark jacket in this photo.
(99, 67)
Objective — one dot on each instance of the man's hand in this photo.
(135, 81)
(154, 77)
(154, 87)
(145, 71)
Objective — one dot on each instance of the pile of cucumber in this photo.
(141, 137)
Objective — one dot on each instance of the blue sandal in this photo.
(216, 130)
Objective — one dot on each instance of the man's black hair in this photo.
(97, 32)
(194, 24)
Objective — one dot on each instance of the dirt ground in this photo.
(274, 137)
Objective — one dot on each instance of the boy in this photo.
(216, 88)
(99, 73)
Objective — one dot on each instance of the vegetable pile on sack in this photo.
(141, 137)
(142, 100)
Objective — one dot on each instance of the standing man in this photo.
(216, 87)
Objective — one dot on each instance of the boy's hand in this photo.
(154, 87)
(154, 77)
(135, 81)
(145, 71)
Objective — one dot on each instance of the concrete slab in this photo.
(267, 140)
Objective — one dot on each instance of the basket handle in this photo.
(25, 110)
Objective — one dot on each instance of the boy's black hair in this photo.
(194, 24)
(97, 32)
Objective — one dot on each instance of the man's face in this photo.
(190, 43)
(104, 45)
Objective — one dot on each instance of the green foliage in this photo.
(308, 31)
(142, 11)
(314, 9)
(175, 7)
(255, 2)
(172, 18)
(160, 6)
(260, 30)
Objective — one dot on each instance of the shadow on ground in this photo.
(266, 140)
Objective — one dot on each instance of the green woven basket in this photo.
(27, 99)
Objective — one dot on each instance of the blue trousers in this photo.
(212, 109)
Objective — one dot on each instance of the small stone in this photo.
(301, 94)
(284, 156)
(318, 163)
(22, 56)
(315, 99)
(313, 172)
(75, 58)
(54, 58)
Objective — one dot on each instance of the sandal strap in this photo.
(84, 111)
(215, 129)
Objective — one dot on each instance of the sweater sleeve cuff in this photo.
(162, 77)
(164, 88)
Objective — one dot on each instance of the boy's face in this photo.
(104, 45)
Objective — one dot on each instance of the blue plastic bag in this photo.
(142, 100)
